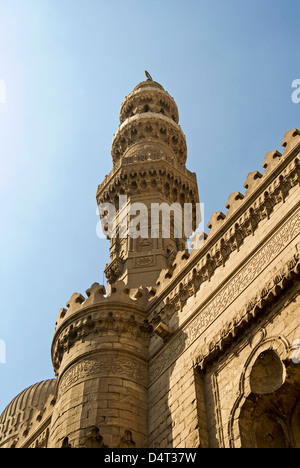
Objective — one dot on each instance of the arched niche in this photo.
(267, 411)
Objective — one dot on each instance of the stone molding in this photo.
(157, 99)
(96, 324)
(206, 314)
(281, 347)
(245, 276)
(173, 289)
(104, 366)
(149, 154)
(149, 127)
(259, 303)
(173, 183)
(94, 317)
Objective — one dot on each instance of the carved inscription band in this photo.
(227, 295)
(245, 277)
(104, 366)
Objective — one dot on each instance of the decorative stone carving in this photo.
(232, 236)
(230, 291)
(113, 270)
(127, 441)
(106, 365)
(149, 126)
(145, 261)
(263, 300)
(95, 325)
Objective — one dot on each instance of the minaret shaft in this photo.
(149, 153)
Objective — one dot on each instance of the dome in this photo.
(20, 410)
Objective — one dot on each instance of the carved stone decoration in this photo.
(145, 261)
(106, 365)
(194, 330)
(113, 270)
(127, 441)
(185, 347)
(263, 411)
(253, 309)
(95, 440)
(96, 325)
(233, 235)
(149, 114)
(241, 280)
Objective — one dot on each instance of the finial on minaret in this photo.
(148, 76)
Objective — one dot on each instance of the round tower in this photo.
(99, 354)
(100, 346)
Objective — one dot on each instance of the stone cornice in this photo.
(141, 162)
(146, 128)
(212, 307)
(282, 174)
(259, 304)
(98, 315)
(155, 95)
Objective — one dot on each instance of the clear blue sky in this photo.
(67, 66)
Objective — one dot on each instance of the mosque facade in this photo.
(185, 346)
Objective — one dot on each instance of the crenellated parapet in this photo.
(228, 232)
(120, 314)
(99, 354)
(264, 300)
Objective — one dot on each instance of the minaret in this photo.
(149, 153)
(100, 346)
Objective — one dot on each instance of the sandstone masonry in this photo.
(182, 348)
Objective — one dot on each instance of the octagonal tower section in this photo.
(149, 186)
(99, 354)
